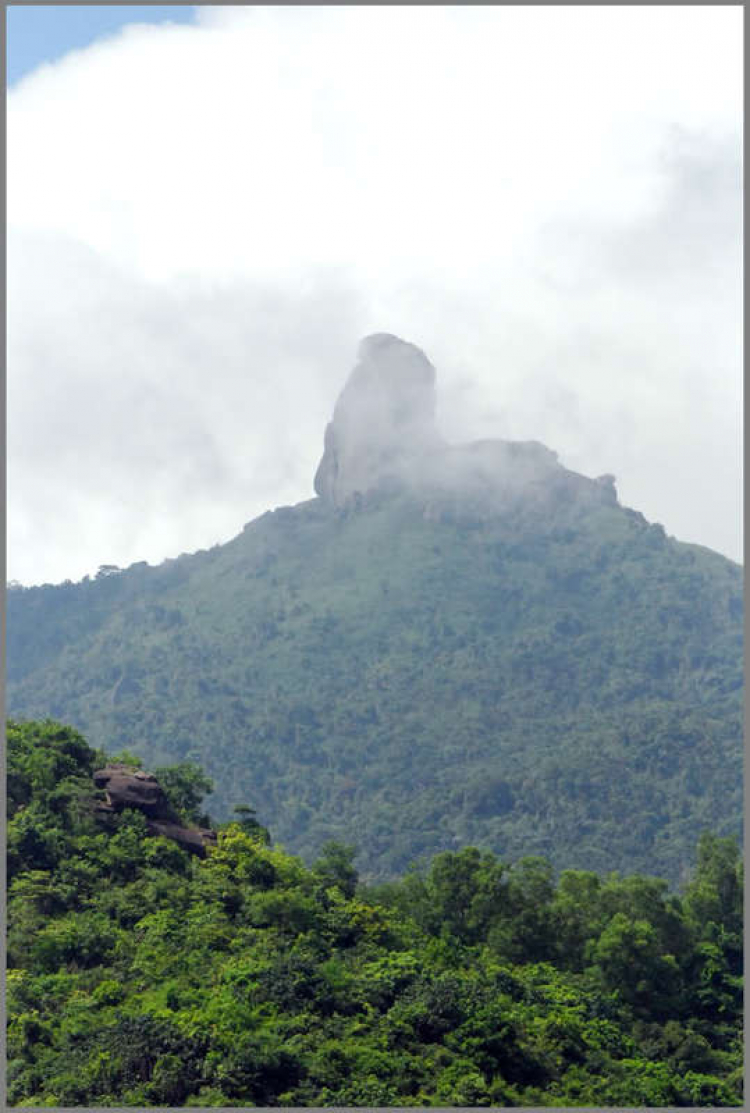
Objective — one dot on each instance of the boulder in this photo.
(193, 839)
(133, 788)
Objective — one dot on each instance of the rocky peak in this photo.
(384, 418)
(383, 437)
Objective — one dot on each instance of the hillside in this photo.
(448, 645)
(143, 975)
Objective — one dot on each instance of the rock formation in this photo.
(132, 788)
(383, 437)
(383, 422)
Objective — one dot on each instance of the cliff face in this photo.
(383, 437)
(383, 423)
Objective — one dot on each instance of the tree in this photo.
(335, 866)
(713, 899)
(629, 961)
(248, 822)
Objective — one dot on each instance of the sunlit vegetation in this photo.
(139, 975)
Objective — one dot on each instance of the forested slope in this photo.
(142, 976)
(567, 683)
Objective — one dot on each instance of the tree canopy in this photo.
(566, 683)
(139, 975)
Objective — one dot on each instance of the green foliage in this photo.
(335, 866)
(49, 790)
(563, 684)
(185, 785)
(247, 819)
(141, 976)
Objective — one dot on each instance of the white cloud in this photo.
(204, 220)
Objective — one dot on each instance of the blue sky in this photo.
(45, 32)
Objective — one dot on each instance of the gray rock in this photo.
(383, 422)
(193, 839)
(133, 788)
(383, 439)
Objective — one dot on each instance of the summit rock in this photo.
(383, 438)
(383, 423)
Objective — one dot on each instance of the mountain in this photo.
(448, 645)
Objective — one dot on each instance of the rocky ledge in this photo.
(125, 787)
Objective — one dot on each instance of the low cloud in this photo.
(552, 215)
(159, 419)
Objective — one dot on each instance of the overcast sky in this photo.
(205, 218)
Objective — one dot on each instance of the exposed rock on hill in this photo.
(129, 788)
(132, 788)
(383, 422)
(383, 437)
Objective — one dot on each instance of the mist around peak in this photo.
(383, 437)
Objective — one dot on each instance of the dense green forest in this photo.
(140, 975)
(418, 674)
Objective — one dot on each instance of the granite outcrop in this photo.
(383, 439)
(125, 787)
